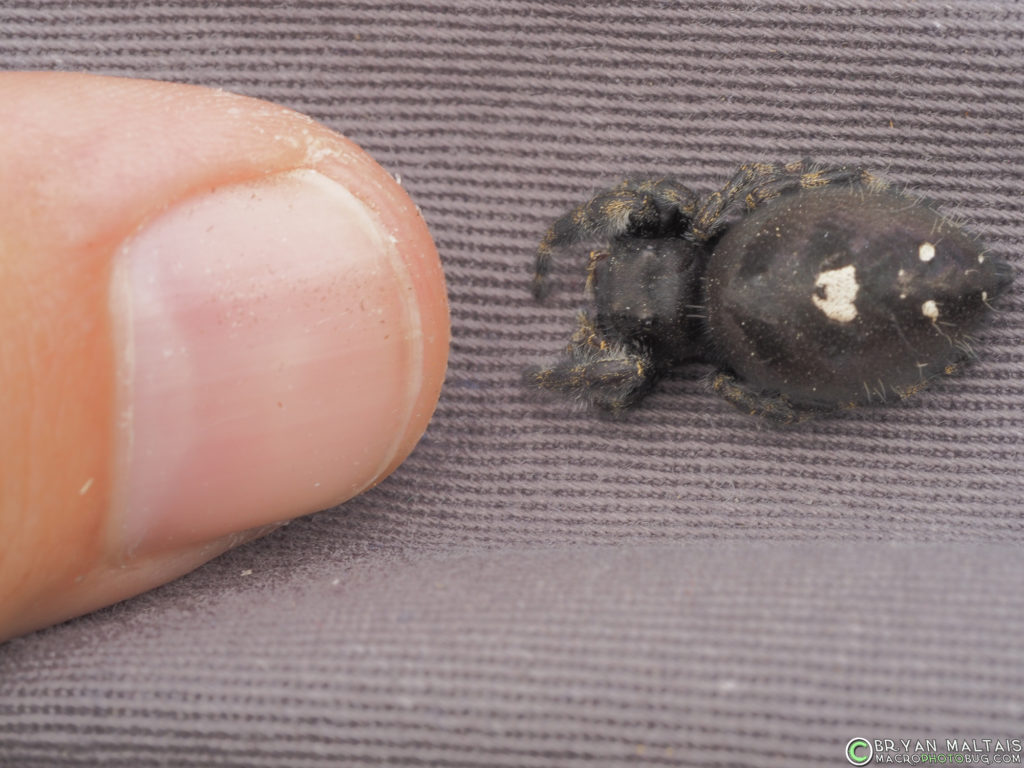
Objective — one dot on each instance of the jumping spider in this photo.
(808, 288)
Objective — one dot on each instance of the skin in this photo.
(85, 163)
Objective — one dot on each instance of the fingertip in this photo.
(177, 379)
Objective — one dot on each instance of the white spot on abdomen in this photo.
(926, 252)
(835, 292)
(930, 310)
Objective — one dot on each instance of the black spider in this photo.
(808, 288)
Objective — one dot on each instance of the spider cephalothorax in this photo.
(808, 288)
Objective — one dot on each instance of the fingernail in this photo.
(280, 350)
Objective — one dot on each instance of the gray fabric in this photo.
(543, 587)
(728, 655)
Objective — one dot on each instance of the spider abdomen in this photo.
(844, 295)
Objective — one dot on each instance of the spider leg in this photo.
(651, 208)
(756, 183)
(774, 408)
(597, 370)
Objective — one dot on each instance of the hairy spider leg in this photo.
(649, 208)
(756, 183)
(773, 407)
(598, 371)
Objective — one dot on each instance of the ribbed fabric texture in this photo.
(538, 586)
(733, 655)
